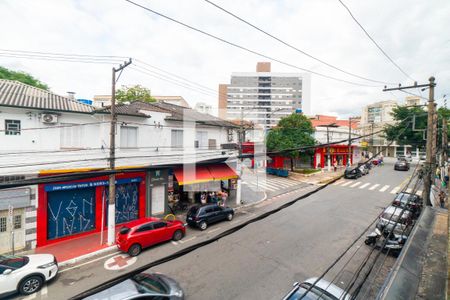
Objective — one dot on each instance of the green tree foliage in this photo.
(22, 77)
(292, 132)
(402, 131)
(134, 93)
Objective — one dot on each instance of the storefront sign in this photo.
(210, 186)
(89, 184)
(158, 176)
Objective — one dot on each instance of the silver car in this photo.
(322, 289)
(391, 216)
(142, 286)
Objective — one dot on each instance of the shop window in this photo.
(177, 138)
(128, 137)
(12, 127)
(17, 222)
(230, 135)
(2, 224)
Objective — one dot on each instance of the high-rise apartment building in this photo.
(264, 97)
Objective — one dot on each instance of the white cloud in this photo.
(415, 37)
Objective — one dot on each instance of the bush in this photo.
(306, 171)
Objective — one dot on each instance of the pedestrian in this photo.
(442, 199)
(224, 198)
(335, 166)
(203, 198)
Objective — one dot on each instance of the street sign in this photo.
(364, 144)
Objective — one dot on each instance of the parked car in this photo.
(26, 274)
(142, 286)
(352, 173)
(407, 157)
(146, 232)
(412, 202)
(401, 165)
(202, 215)
(321, 290)
(391, 215)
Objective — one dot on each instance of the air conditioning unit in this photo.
(49, 118)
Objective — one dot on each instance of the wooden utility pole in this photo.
(112, 157)
(431, 134)
(349, 141)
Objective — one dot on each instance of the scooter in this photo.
(372, 238)
(393, 241)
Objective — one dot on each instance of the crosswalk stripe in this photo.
(338, 182)
(355, 184)
(266, 187)
(346, 183)
(274, 185)
(384, 188)
(373, 187)
(364, 185)
(395, 190)
(282, 181)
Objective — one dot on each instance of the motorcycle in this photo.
(393, 241)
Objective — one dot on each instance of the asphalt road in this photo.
(263, 259)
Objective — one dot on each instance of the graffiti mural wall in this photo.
(127, 202)
(70, 212)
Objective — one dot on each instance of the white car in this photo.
(26, 274)
(321, 290)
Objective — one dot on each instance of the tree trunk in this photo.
(292, 164)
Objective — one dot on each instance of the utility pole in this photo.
(444, 142)
(349, 141)
(428, 176)
(239, 161)
(112, 157)
(328, 149)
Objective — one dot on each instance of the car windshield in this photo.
(14, 262)
(150, 284)
(313, 294)
(392, 218)
(193, 210)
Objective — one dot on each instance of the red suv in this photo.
(143, 233)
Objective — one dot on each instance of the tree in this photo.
(134, 93)
(402, 131)
(22, 77)
(293, 131)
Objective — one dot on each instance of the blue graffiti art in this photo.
(127, 202)
(70, 212)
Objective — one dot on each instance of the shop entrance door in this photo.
(158, 200)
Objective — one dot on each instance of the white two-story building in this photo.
(166, 151)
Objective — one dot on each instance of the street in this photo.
(263, 259)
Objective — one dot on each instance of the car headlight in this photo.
(47, 265)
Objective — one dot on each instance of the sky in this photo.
(414, 34)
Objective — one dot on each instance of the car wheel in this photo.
(203, 225)
(134, 250)
(177, 235)
(30, 285)
(230, 217)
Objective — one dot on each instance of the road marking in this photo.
(215, 229)
(395, 190)
(188, 240)
(174, 243)
(419, 192)
(119, 262)
(338, 182)
(384, 188)
(346, 183)
(373, 187)
(44, 291)
(355, 184)
(88, 262)
(364, 185)
(409, 190)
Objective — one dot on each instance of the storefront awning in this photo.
(202, 173)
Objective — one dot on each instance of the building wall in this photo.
(223, 91)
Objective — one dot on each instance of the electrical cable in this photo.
(242, 47)
(376, 44)
(290, 45)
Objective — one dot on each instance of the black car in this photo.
(401, 165)
(412, 202)
(352, 173)
(202, 215)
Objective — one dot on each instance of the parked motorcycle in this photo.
(393, 241)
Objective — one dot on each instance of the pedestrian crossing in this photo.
(269, 183)
(372, 186)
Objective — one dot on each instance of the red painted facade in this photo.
(338, 155)
(42, 212)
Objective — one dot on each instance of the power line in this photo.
(242, 47)
(289, 45)
(376, 44)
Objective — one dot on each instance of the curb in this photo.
(85, 256)
(253, 203)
